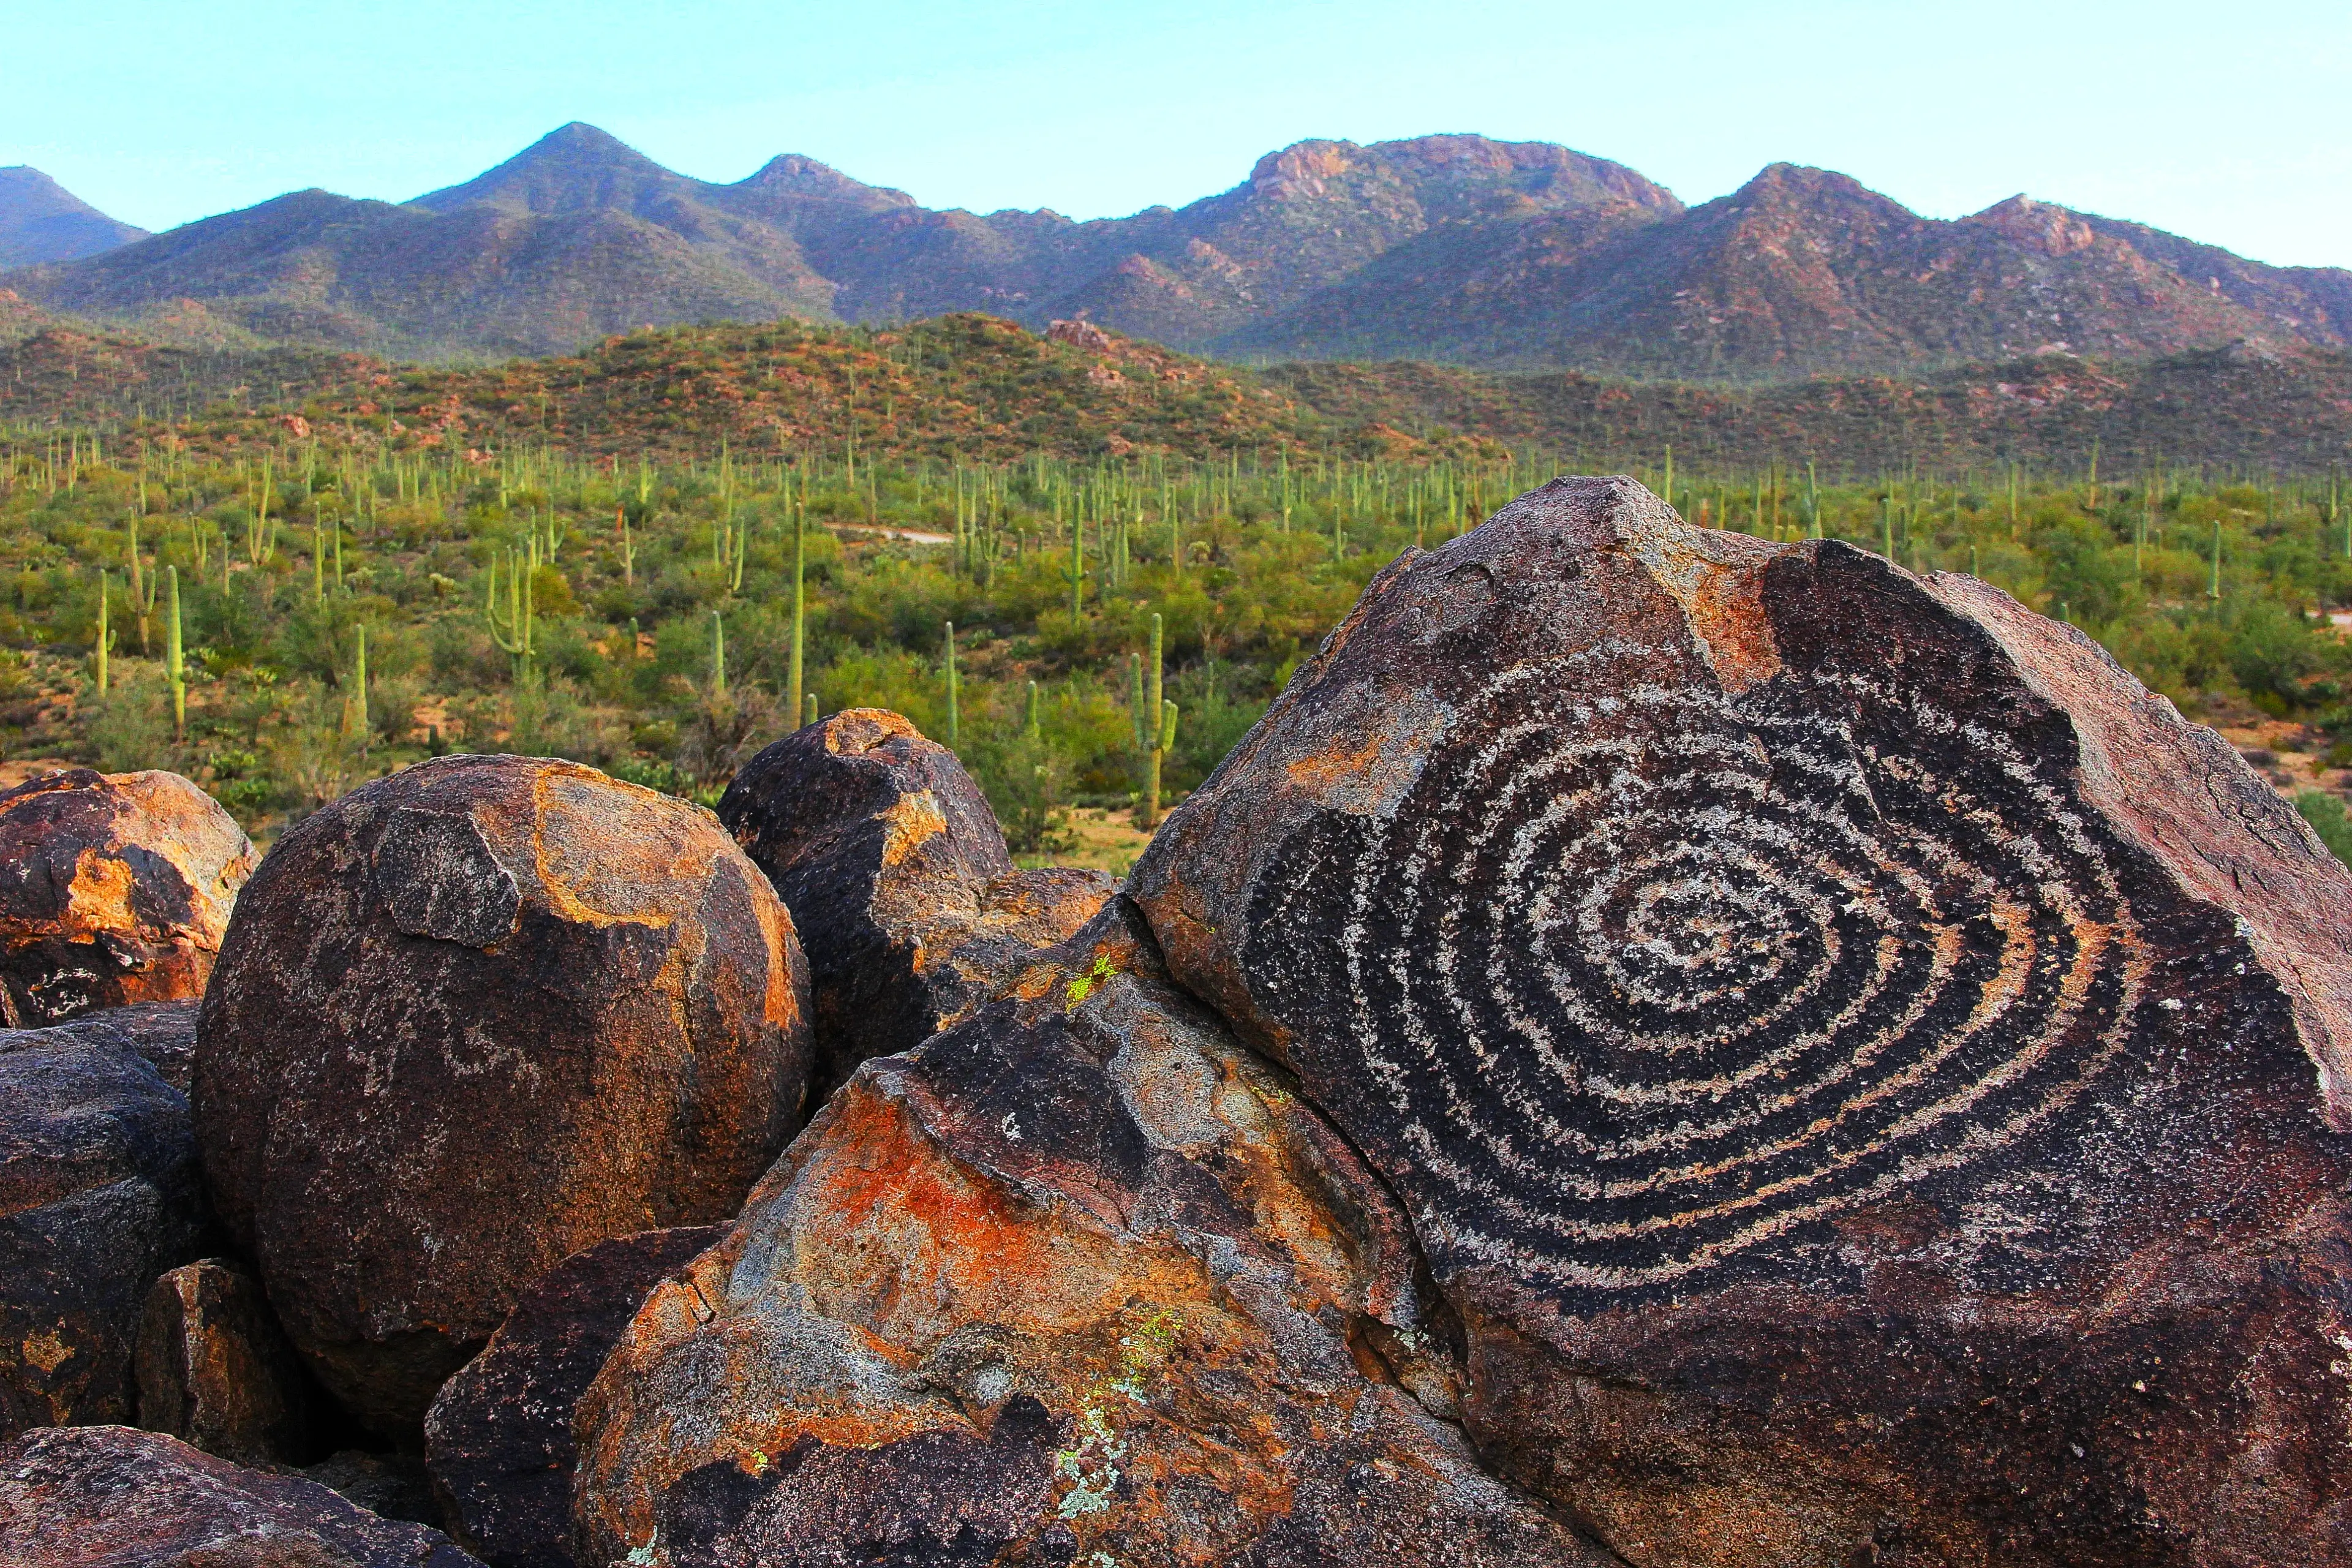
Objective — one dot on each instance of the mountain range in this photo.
(1508, 255)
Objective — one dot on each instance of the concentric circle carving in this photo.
(1640, 976)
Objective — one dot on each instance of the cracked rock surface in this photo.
(1080, 1275)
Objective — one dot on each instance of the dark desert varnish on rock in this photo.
(896, 874)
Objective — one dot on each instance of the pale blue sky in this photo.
(2231, 123)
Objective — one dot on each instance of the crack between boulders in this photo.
(1419, 1259)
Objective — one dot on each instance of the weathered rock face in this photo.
(214, 1370)
(165, 1033)
(1867, 1076)
(1079, 1275)
(114, 889)
(469, 1020)
(897, 873)
(103, 1496)
(98, 1193)
(499, 1436)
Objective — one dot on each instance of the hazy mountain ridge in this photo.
(40, 220)
(1511, 256)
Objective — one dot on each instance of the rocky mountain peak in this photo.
(1301, 170)
(2037, 226)
(789, 174)
(574, 168)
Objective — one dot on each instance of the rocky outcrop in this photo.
(499, 1436)
(470, 1019)
(214, 1370)
(1080, 1280)
(897, 877)
(98, 1193)
(1079, 334)
(114, 889)
(103, 1496)
(1868, 1078)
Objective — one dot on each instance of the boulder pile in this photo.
(99, 1193)
(499, 1435)
(1660, 1048)
(1079, 1275)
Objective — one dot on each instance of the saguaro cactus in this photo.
(105, 635)
(954, 726)
(175, 669)
(1163, 732)
(143, 588)
(1135, 701)
(359, 681)
(515, 635)
(800, 609)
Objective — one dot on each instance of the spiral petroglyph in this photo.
(1647, 978)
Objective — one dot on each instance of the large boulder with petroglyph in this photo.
(897, 871)
(114, 890)
(113, 1497)
(1081, 1279)
(1869, 1078)
(99, 1193)
(469, 1020)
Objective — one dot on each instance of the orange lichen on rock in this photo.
(1079, 1275)
(114, 889)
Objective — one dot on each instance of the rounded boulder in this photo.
(114, 890)
(469, 1020)
(889, 857)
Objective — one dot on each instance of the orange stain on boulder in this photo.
(115, 888)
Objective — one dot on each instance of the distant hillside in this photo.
(2238, 409)
(1802, 271)
(972, 387)
(40, 220)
